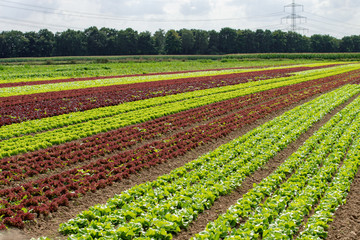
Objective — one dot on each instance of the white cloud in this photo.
(333, 17)
(197, 7)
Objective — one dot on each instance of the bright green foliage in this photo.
(317, 225)
(78, 125)
(161, 208)
(60, 68)
(53, 87)
(287, 202)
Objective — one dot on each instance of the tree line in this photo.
(106, 41)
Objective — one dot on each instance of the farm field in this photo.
(199, 149)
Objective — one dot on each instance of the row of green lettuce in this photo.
(275, 208)
(38, 134)
(335, 195)
(39, 69)
(53, 87)
(160, 209)
(226, 92)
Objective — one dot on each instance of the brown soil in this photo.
(346, 224)
(12, 234)
(48, 227)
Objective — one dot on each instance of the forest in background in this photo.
(106, 42)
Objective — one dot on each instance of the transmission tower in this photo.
(294, 17)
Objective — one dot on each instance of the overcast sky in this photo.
(337, 18)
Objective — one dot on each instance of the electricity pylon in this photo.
(294, 17)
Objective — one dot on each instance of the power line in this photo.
(32, 23)
(29, 7)
(330, 24)
(294, 17)
(330, 30)
(52, 9)
(52, 12)
(26, 24)
(333, 20)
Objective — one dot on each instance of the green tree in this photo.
(324, 43)
(32, 45)
(110, 34)
(279, 41)
(264, 41)
(347, 44)
(71, 43)
(127, 41)
(159, 41)
(45, 43)
(356, 42)
(96, 41)
(187, 41)
(295, 42)
(4, 52)
(213, 42)
(145, 43)
(227, 40)
(14, 44)
(201, 41)
(246, 41)
(172, 42)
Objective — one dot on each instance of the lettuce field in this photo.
(262, 150)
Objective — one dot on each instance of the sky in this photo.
(333, 17)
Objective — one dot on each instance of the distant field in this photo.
(142, 58)
(34, 69)
(221, 148)
(34, 72)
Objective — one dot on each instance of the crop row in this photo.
(288, 222)
(95, 146)
(19, 73)
(101, 173)
(16, 84)
(47, 194)
(161, 208)
(18, 167)
(32, 89)
(31, 107)
(132, 113)
(89, 92)
(283, 212)
(356, 82)
(78, 117)
(318, 224)
(24, 83)
(53, 87)
(69, 94)
(321, 149)
(93, 114)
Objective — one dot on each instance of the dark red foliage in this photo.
(19, 167)
(357, 82)
(27, 216)
(103, 172)
(3, 85)
(35, 106)
(14, 222)
(6, 212)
